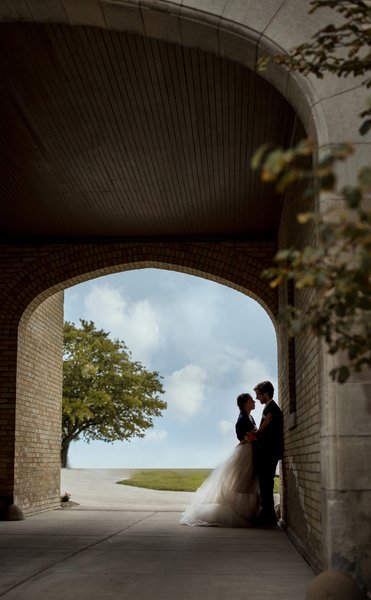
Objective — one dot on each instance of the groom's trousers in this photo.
(266, 470)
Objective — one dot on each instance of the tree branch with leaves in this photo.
(338, 267)
(341, 49)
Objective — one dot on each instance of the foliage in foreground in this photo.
(106, 395)
(341, 47)
(338, 267)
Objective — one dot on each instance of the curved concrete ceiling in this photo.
(110, 134)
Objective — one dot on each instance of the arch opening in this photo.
(39, 383)
(208, 343)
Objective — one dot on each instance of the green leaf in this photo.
(263, 63)
(282, 255)
(274, 163)
(306, 280)
(343, 374)
(365, 127)
(327, 182)
(304, 218)
(352, 196)
(260, 155)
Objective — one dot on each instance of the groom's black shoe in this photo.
(263, 520)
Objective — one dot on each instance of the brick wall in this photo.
(31, 319)
(38, 411)
(299, 383)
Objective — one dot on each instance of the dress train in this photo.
(229, 497)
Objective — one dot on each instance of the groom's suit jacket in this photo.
(270, 440)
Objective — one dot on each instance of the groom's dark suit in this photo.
(268, 451)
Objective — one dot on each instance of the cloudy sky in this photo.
(207, 341)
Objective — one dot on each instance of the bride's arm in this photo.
(246, 439)
(251, 435)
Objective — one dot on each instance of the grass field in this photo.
(173, 480)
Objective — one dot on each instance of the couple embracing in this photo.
(239, 492)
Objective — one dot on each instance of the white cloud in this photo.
(134, 322)
(225, 426)
(185, 391)
(156, 435)
(143, 332)
(190, 318)
(254, 370)
(231, 368)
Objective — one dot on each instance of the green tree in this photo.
(337, 267)
(106, 395)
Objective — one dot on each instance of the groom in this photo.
(268, 449)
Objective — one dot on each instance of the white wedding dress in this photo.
(229, 497)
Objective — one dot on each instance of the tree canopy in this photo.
(106, 395)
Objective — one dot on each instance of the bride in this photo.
(229, 497)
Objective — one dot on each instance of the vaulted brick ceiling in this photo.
(109, 134)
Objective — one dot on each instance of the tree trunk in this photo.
(64, 453)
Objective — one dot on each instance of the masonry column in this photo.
(8, 371)
(39, 407)
(346, 481)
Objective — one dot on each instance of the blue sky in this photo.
(208, 342)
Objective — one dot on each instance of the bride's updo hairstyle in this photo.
(242, 400)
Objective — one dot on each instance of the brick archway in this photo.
(32, 314)
(237, 264)
(229, 37)
(233, 235)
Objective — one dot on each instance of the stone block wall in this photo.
(38, 410)
(326, 474)
(345, 468)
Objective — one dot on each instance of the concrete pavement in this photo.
(85, 553)
(97, 488)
